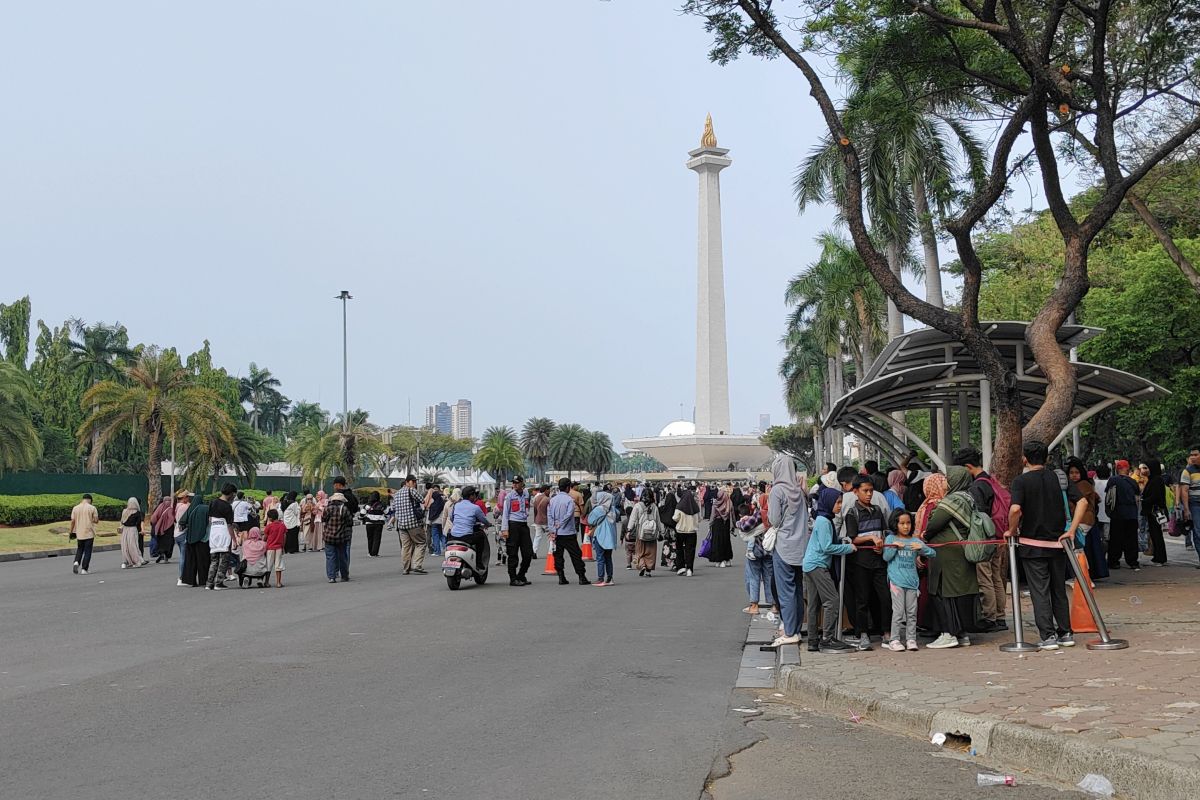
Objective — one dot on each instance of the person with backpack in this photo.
(994, 500)
(646, 525)
(953, 582)
(1121, 503)
(866, 527)
(1039, 511)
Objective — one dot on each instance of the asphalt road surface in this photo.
(120, 685)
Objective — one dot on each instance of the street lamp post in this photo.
(344, 296)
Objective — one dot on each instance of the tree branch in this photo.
(1059, 208)
(958, 22)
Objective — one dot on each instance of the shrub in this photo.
(364, 493)
(38, 509)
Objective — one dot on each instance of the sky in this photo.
(501, 186)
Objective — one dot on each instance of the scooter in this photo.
(462, 561)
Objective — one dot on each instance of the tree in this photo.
(499, 454)
(318, 451)
(243, 453)
(794, 440)
(535, 443)
(20, 447)
(568, 448)
(58, 388)
(634, 461)
(599, 454)
(14, 331)
(96, 353)
(1041, 68)
(305, 414)
(158, 401)
(267, 405)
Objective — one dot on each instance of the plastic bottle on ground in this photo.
(988, 779)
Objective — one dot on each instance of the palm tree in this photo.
(20, 447)
(499, 454)
(599, 454)
(568, 448)
(261, 390)
(95, 351)
(806, 388)
(160, 400)
(320, 450)
(304, 414)
(244, 457)
(535, 443)
(432, 477)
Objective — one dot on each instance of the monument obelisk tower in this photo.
(712, 364)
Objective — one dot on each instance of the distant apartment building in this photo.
(764, 422)
(440, 418)
(460, 419)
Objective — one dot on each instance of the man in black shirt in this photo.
(1037, 507)
(1123, 520)
(222, 509)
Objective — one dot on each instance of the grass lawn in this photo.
(40, 537)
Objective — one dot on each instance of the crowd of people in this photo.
(908, 551)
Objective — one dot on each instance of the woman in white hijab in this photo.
(788, 514)
(131, 533)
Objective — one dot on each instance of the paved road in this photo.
(803, 755)
(118, 684)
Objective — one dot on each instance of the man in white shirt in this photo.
(241, 513)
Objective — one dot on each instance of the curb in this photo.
(62, 551)
(1066, 758)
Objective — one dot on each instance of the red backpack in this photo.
(1001, 503)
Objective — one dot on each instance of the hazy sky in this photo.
(480, 175)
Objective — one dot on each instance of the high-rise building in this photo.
(764, 422)
(460, 419)
(439, 417)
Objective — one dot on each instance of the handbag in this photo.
(768, 539)
(705, 547)
(1163, 522)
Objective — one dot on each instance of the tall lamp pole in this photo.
(344, 296)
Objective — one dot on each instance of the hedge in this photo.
(38, 509)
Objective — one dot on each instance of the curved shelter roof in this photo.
(926, 369)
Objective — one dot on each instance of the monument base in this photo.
(692, 455)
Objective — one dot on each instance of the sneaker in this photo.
(943, 642)
(681, 572)
(600, 583)
(1001, 625)
(689, 573)
(836, 646)
(1066, 640)
(964, 641)
(629, 566)
(864, 642)
(895, 646)
(180, 582)
(333, 580)
(75, 568)
(911, 646)
(1049, 643)
(1137, 569)
(124, 565)
(217, 588)
(782, 640)
(83, 572)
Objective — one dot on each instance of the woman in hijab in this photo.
(788, 514)
(720, 549)
(1154, 502)
(308, 509)
(687, 519)
(895, 491)
(131, 532)
(1093, 541)
(953, 585)
(162, 525)
(932, 488)
(319, 520)
(646, 526)
(253, 563)
(291, 520)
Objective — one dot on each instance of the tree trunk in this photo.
(864, 324)
(154, 473)
(933, 267)
(1164, 238)
(895, 318)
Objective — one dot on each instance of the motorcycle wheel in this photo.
(453, 581)
(480, 578)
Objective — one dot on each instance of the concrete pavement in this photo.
(387, 686)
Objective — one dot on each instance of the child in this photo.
(276, 535)
(900, 552)
(818, 585)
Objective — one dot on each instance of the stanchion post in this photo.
(1020, 645)
(1106, 642)
(837, 629)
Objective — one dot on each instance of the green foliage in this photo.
(20, 447)
(37, 509)
(793, 440)
(318, 451)
(599, 453)
(637, 462)
(499, 453)
(58, 387)
(568, 448)
(59, 453)
(14, 331)
(535, 443)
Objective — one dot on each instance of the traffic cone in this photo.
(550, 568)
(1081, 616)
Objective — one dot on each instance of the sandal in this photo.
(750, 609)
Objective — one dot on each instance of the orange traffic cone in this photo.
(1081, 616)
(587, 545)
(550, 568)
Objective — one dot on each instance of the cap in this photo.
(1121, 463)
(412, 478)
(518, 479)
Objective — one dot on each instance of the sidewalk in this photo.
(1132, 715)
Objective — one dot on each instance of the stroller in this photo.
(253, 563)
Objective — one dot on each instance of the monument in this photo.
(685, 448)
